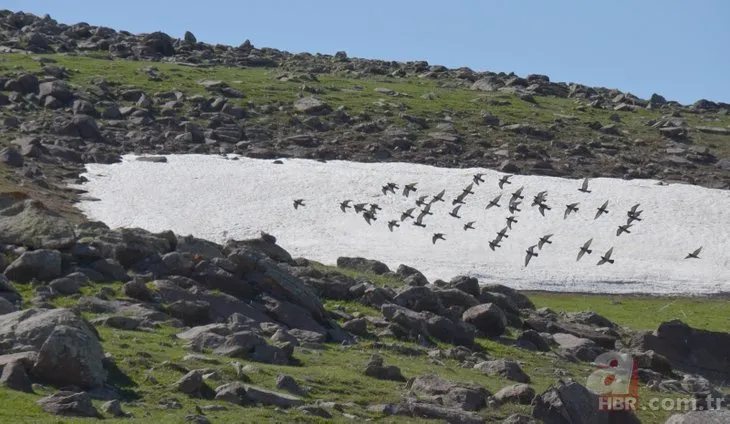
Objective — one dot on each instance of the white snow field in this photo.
(217, 197)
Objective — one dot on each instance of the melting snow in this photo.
(214, 198)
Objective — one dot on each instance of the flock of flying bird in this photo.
(369, 212)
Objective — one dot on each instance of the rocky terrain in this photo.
(129, 325)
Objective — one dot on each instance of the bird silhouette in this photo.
(494, 202)
(408, 188)
(502, 234)
(623, 229)
(540, 197)
(427, 209)
(584, 187)
(694, 254)
(360, 207)
(345, 205)
(606, 257)
(419, 220)
(544, 239)
(469, 225)
(437, 236)
(543, 207)
(602, 210)
(633, 214)
(298, 202)
(374, 207)
(421, 201)
(455, 212)
(513, 207)
(392, 187)
(407, 214)
(369, 216)
(572, 207)
(460, 198)
(439, 197)
(510, 220)
(386, 188)
(494, 243)
(393, 223)
(530, 253)
(468, 189)
(584, 249)
(478, 178)
(517, 194)
(504, 180)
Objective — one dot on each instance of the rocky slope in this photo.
(125, 323)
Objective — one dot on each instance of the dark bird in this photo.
(573, 207)
(494, 243)
(421, 201)
(606, 257)
(585, 249)
(602, 210)
(407, 214)
(298, 202)
(510, 220)
(517, 195)
(530, 253)
(460, 199)
(478, 178)
(504, 180)
(540, 197)
(543, 240)
(437, 236)
(694, 254)
(386, 188)
(439, 197)
(369, 216)
(455, 212)
(494, 202)
(623, 229)
(419, 220)
(584, 187)
(513, 207)
(633, 214)
(469, 225)
(359, 207)
(345, 205)
(427, 209)
(543, 207)
(374, 207)
(409, 188)
(392, 186)
(391, 224)
(468, 188)
(502, 234)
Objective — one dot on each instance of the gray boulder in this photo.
(28, 222)
(69, 404)
(714, 416)
(42, 264)
(362, 264)
(572, 403)
(503, 368)
(488, 318)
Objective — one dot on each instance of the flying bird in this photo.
(369, 216)
(543, 207)
(407, 214)
(530, 253)
(439, 197)
(468, 188)
(517, 194)
(393, 223)
(633, 214)
(602, 210)
(606, 257)
(510, 220)
(409, 188)
(502, 234)
(494, 243)
(469, 225)
(421, 201)
(298, 202)
(543, 240)
(455, 212)
(623, 229)
(540, 197)
(437, 236)
(460, 198)
(345, 205)
(478, 178)
(494, 202)
(504, 180)
(374, 207)
(389, 187)
(694, 254)
(572, 207)
(359, 207)
(427, 209)
(585, 249)
(419, 220)
(513, 207)
(584, 187)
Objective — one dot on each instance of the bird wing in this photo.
(585, 184)
(633, 208)
(580, 255)
(469, 187)
(456, 209)
(567, 211)
(604, 205)
(587, 244)
(608, 254)
(441, 193)
(427, 208)
(697, 252)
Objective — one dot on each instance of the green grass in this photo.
(378, 280)
(642, 312)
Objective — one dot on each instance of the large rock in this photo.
(43, 265)
(362, 264)
(69, 404)
(689, 349)
(312, 106)
(715, 416)
(488, 318)
(430, 325)
(503, 368)
(126, 245)
(69, 351)
(462, 396)
(28, 222)
(572, 403)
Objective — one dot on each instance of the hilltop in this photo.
(126, 323)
